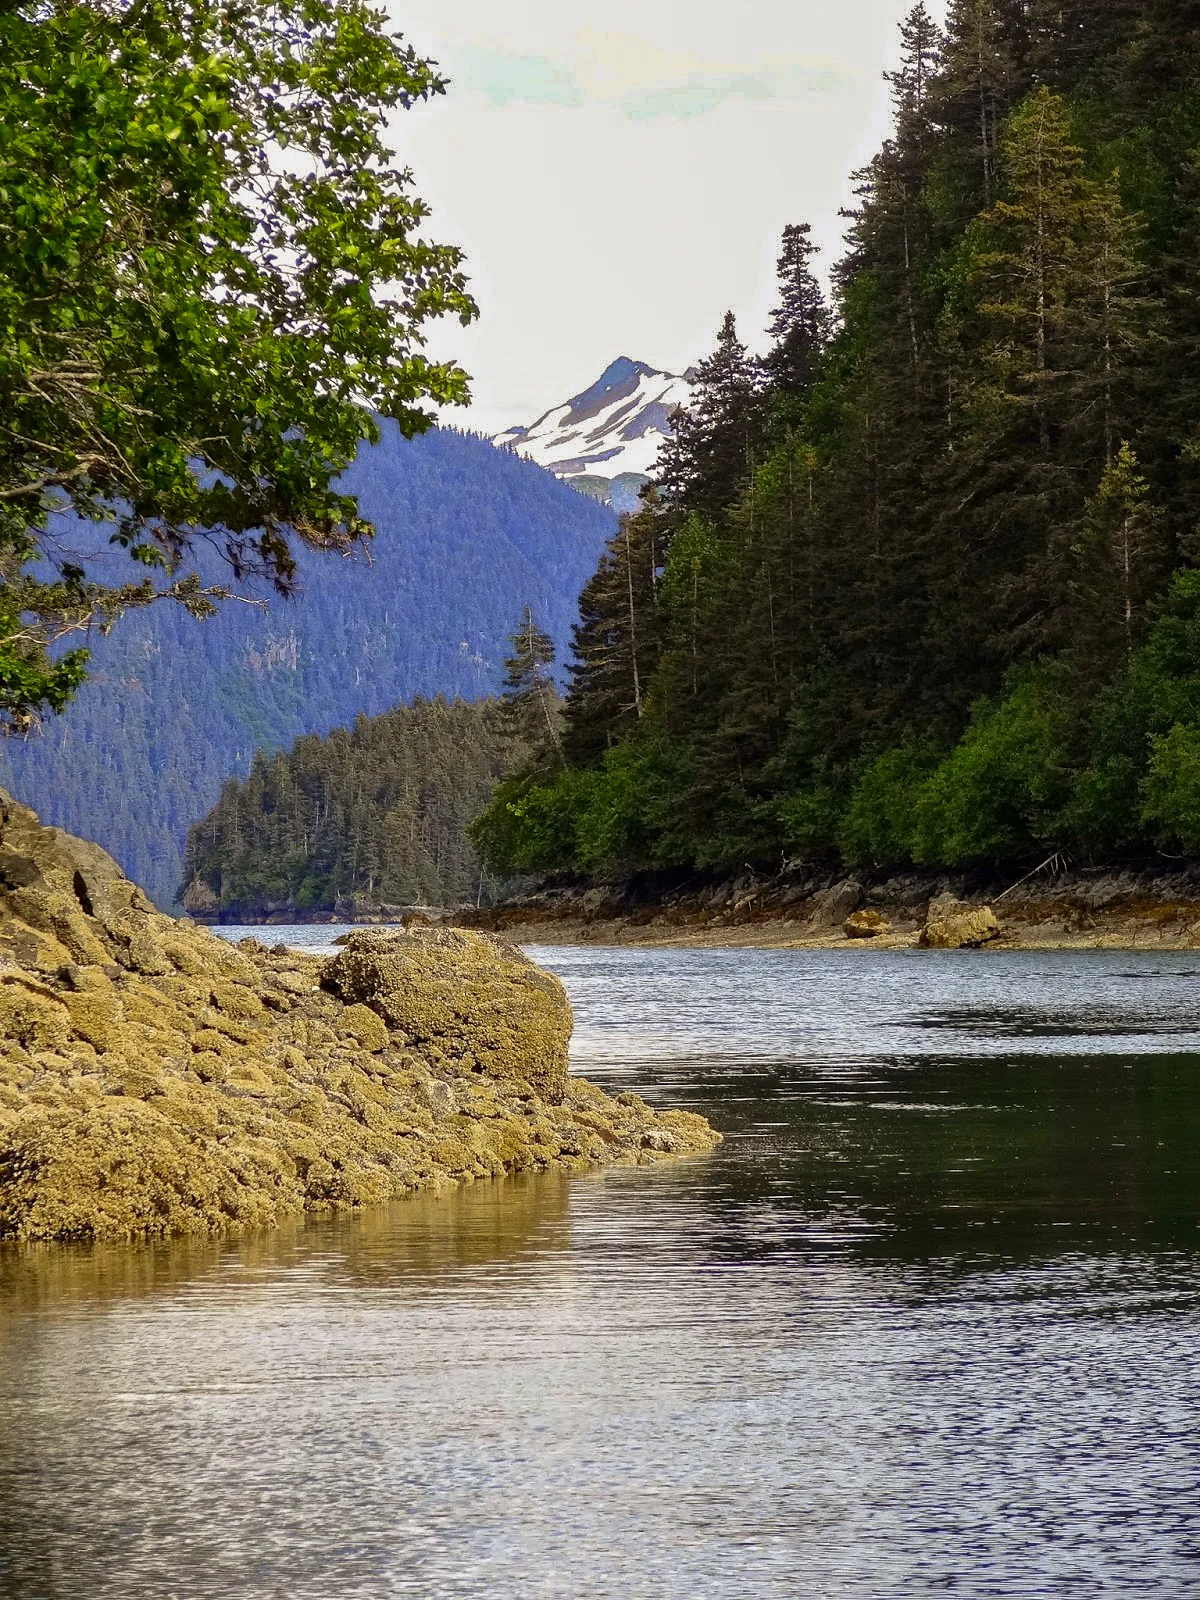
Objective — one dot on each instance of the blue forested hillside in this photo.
(466, 535)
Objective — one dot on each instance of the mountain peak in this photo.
(614, 427)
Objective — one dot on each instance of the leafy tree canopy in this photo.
(213, 275)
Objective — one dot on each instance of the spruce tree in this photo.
(920, 54)
(1160, 59)
(1051, 324)
(710, 455)
(891, 233)
(1077, 45)
(531, 702)
(975, 87)
(617, 641)
(1119, 566)
(799, 325)
(1031, 273)
(1169, 391)
(1057, 282)
(893, 415)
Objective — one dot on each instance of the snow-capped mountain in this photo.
(609, 431)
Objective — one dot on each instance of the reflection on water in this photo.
(426, 1236)
(925, 1324)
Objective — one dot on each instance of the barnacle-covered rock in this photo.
(468, 995)
(954, 926)
(155, 1080)
(866, 925)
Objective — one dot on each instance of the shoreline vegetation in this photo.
(157, 1080)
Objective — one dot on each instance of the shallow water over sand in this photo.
(925, 1324)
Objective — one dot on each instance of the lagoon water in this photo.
(928, 1323)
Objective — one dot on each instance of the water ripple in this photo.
(924, 1325)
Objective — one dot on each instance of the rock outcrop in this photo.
(477, 1001)
(155, 1079)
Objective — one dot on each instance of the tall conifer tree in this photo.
(799, 325)
(1119, 565)
(617, 641)
(531, 702)
(710, 455)
(975, 87)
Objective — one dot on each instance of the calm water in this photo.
(927, 1324)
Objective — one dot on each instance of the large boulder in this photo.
(954, 926)
(466, 994)
(200, 899)
(65, 900)
(833, 905)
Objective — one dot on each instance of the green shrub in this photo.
(533, 827)
(879, 824)
(1004, 787)
(1130, 790)
(1104, 812)
(811, 819)
(635, 808)
(1171, 788)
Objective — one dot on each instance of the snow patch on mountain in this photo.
(613, 429)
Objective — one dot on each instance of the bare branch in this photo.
(53, 480)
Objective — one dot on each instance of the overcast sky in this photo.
(620, 175)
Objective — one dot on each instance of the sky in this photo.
(619, 176)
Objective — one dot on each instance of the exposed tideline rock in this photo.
(866, 925)
(953, 926)
(155, 1079)
(1154, 908)
(466, 995)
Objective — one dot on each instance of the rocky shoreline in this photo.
(157, 1080)
(1052, 909)
(202, 909)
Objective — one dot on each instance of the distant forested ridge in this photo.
(466, 535)
(368, 816)
(923, 582)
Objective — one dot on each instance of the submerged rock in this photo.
(155, 1079)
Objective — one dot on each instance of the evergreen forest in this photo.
(376, 814)
(921, 583)
(465, 536)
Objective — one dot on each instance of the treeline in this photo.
(377, 813)
(923, 582)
